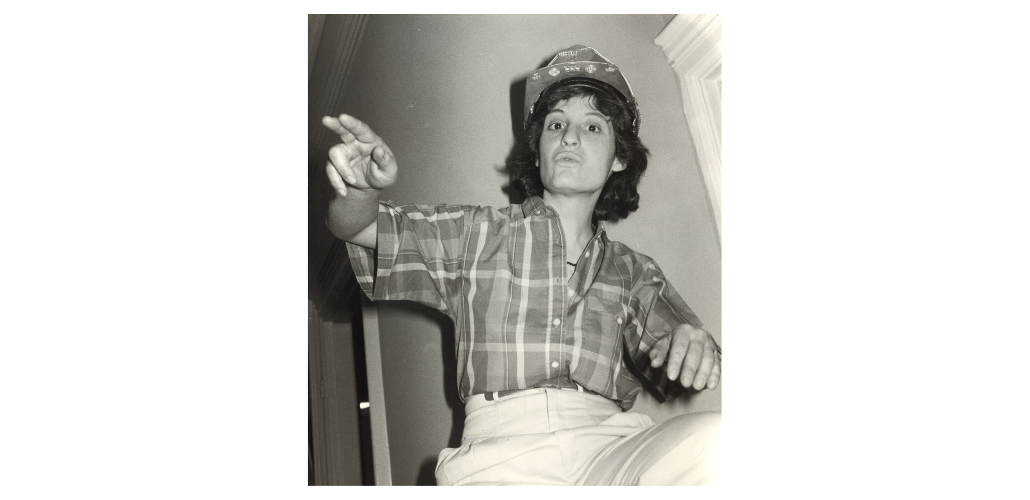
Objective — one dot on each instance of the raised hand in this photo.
(362, 161)
(693, 358)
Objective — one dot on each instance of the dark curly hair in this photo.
(619, 197)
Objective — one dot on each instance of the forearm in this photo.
(358, 169)
(352, 218)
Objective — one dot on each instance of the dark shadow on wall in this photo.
(425, 474)
(450, 377)
(517, 103)
(516, 95)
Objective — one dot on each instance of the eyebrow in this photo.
(589, 113)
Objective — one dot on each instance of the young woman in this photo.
(557, 326)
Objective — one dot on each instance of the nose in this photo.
(570, 137)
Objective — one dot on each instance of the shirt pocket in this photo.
(602, 333)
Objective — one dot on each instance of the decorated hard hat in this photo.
(583, 64)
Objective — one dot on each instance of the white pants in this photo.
(566, 437)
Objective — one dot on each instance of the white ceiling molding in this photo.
(693, 44)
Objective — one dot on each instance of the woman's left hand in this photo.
(691, 356)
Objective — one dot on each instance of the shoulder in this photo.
(442, 212)
(637, 263)
(623, 251)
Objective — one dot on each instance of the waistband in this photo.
(547, 384)
(533, 411)
(478, 401)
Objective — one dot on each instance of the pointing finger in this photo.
(333, 124)
(358, 129)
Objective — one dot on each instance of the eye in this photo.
(594, 128)
(555, 126)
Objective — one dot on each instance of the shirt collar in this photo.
(534, 205)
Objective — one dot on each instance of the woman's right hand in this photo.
(363, 161)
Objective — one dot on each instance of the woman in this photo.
(557, 326)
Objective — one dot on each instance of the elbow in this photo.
(336, 232)
(353, 224)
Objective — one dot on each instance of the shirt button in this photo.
(618, 320)
(572, 293)
(554, 364)
(557, 322)
(586, 254)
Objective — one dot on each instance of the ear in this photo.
(617, 166)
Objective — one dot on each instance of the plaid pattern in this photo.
(519, 318)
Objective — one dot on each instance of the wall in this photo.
(445, 94)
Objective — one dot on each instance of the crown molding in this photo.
(693, 45)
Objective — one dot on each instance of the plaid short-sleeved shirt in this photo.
(519, 317)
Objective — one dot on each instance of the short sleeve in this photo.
(419, 255)
(655, 310)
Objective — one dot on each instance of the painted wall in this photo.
(445, 92)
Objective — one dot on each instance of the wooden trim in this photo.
(693, 44)
(315, 24)
(376, 392)
(333, 403)
(340, 38)
(333, 42)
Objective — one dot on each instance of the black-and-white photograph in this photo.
(514, 249)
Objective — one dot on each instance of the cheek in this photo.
(543, 150)
(605, 149)
(546, 143)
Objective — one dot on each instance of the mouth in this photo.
(567, 157)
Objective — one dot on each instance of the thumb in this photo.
(659, 351)
(384, 164)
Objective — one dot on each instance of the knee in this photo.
(705, 423)
(699, 434)
(692, 459)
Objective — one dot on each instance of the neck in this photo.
(575, 214)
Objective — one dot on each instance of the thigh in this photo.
(528, 459)
(679, 451)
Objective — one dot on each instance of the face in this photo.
(577, 149)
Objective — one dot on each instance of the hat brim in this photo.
(584, 71)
